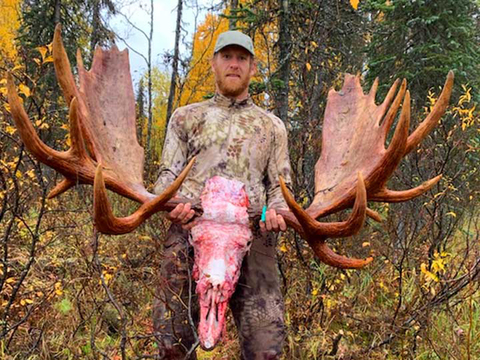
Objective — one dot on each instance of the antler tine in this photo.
(372, 214)
(373, 89)
(67, 82)
(26, 130)
(432, 119)
(401, 132)
(76, 151)
(392, 196)
(61, 187)
(62, 66)
(107, 223)
(391, 93)
(392, 112)
(76, 138)
(329, 257)
(79, 59)
(396, 149)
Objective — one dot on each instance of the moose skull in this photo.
(221, 238)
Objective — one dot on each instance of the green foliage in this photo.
(64, 306)
(78, 20)
(257, 87)
(422, 40)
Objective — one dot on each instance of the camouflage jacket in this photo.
(236, 140)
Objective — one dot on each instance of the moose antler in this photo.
(354, 163)
(103, 137)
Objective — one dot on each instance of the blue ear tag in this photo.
(264, 213)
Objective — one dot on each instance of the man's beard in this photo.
(232, 88)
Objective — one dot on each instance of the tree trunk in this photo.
(284, 44)
(232, 22)
(176, 54)
(140, 111)
(95, 28)
(149, 89)
(57, 14)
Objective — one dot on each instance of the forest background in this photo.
(67, 294)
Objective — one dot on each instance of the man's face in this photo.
(233, 67)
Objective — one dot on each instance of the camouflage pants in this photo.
(257, 304)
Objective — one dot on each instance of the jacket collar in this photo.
(226, 102)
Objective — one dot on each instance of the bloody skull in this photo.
(221, 238)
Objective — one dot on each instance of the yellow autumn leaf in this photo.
(382, 286)
(24, 89)
(48, 59)
(31, 173)
(58, 288)
(466, 97)
(283, 248)
(43, 51)
(428, 274)
(451, 213)
(107, 276)
(438, 265)
(354, 3)
(308, 66)
(438, 194)
(10, 129)
(365, 244)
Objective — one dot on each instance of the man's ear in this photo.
(212, 63)
(253, 67)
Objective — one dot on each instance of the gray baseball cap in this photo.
(234, 38)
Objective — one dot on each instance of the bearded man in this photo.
(233, 138)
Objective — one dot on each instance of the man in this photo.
(233, 138)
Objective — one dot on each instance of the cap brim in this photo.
(233, 44)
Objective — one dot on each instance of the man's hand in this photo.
(182, 214)
(273, 222)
